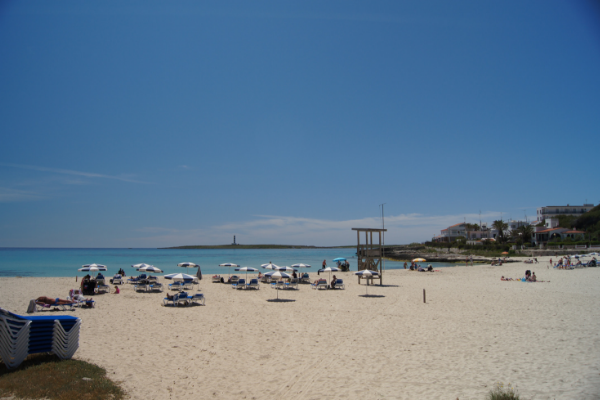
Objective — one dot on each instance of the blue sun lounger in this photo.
(21, 336)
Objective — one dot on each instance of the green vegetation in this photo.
(588, 222)
(45, 376)
(501, 392)
(501, 227)
(259, 246)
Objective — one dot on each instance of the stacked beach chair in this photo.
(21, 336)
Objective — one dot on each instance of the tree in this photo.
(526, 232)
(501, 227)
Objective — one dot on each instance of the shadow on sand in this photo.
(281, 300)
(371, 295)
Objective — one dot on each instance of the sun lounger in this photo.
(240, 284)
(291, 285)
(141, 287)
(197, 298)
(137, 279)
(187, 285)
(156, 286)
(102, 289)
(61, 307)
(320, 285)
(21, 336)
(176, 286)
(182, 298)
(305, 278)
(339, 284)
(216, 279)
(253, 284)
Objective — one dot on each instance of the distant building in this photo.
(484, 233)
(546, 234)
(234, 243)
(454, 232)
(552, 211)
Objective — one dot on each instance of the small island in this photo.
(255, 246)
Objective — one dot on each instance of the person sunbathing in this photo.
(333, 281)
(319, 280)
(43, 300)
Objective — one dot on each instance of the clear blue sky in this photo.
(148, 124)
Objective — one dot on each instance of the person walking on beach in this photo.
(404, 264)
(471, 258)
(324, 264)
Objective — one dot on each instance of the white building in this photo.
(552, 211)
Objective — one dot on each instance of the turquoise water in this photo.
(65, 262)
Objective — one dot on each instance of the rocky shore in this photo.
(410, 254)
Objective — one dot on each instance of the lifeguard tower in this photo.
(369, 254)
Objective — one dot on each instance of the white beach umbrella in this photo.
(187, 265)
(330, 269)
(278, 274)
(229, 265)
(367, 273)
(95, 266)
(300, 266)
(179, 277)
(150, 268)
(92, 268)
(247, 269)
(285, 269)
(142, 265)
(269, 266)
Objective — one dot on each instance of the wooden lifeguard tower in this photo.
(369, 254)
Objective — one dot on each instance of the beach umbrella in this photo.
(330, 269)
(151, 269)
(229, 265)
(285, 269)
(419, 260)
(278, 274)
(367, 273)
(300, 266)
(187, 264)
(92, 268)
(179, 277)
(142, 265)
(339, 259)
(247, 269)
(269, 266)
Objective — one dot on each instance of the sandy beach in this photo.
(474, 330)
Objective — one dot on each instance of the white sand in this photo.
(473, 331)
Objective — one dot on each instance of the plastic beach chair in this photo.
(339, 284)
(240, 284)
(21, 336)
(197, 298)
(182, 298)
(253, 284)
(62, 307)
(322, 284)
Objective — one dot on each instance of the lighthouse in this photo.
(234, 243)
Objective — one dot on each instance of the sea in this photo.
(54, 262)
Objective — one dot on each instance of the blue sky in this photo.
(149, 124)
